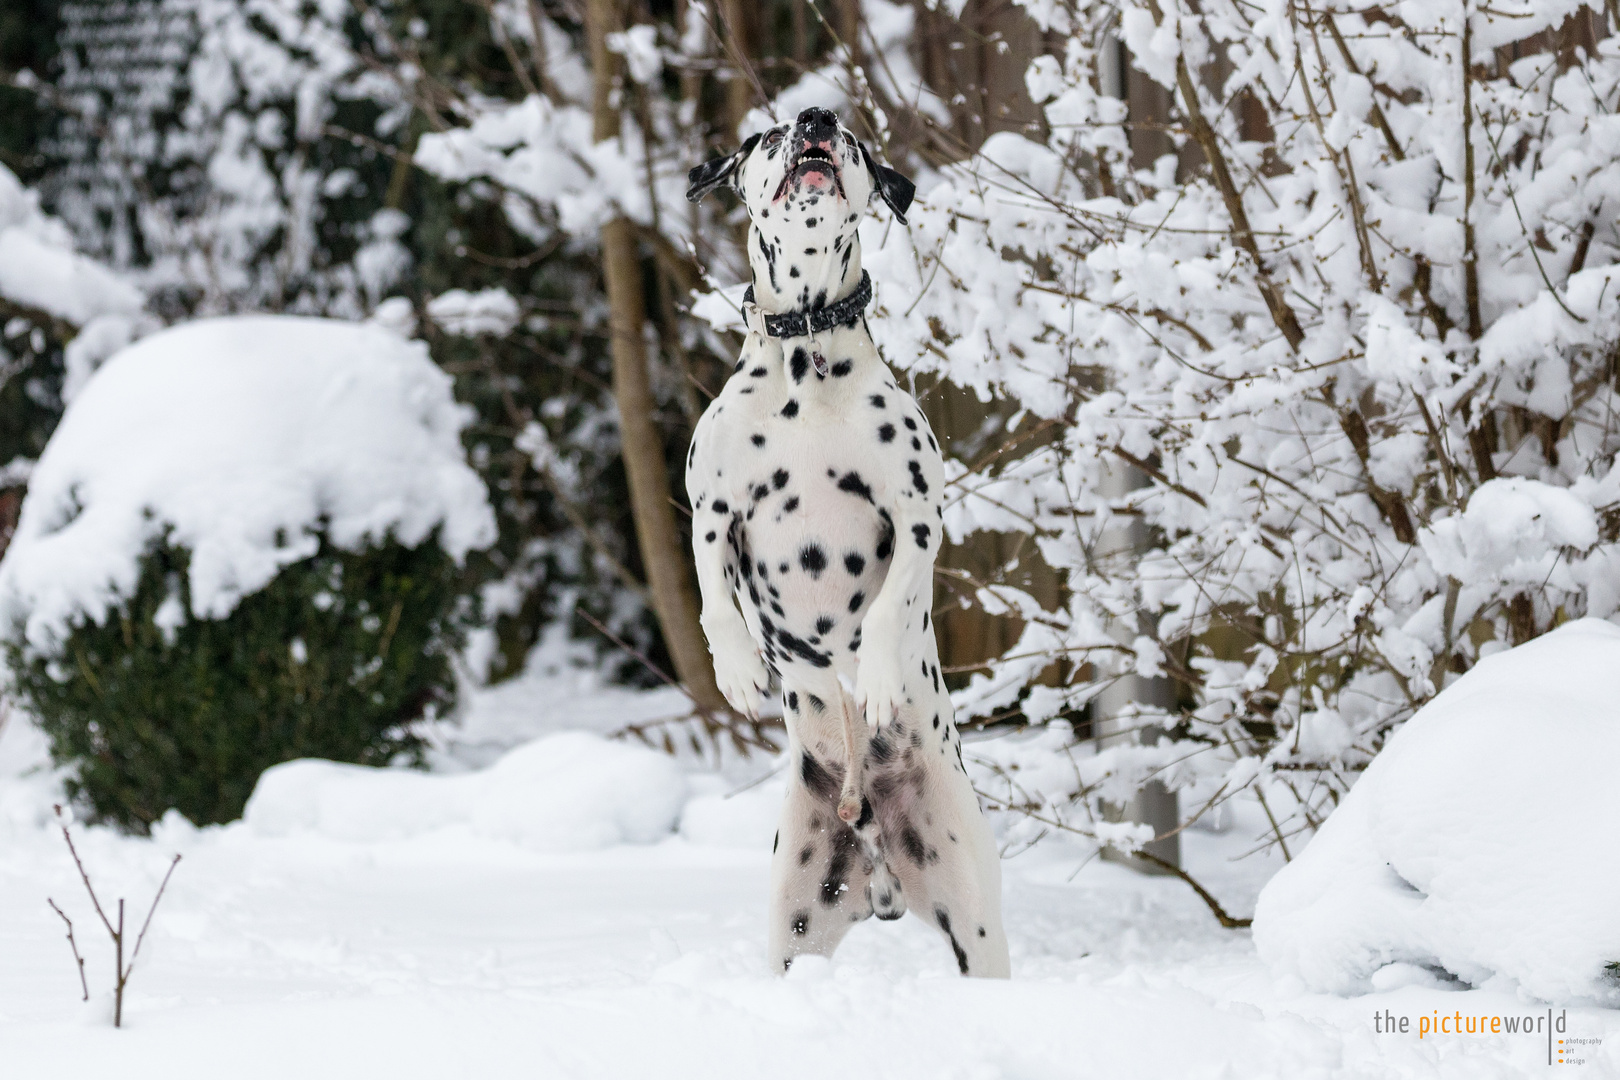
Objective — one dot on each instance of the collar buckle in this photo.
(754, 317)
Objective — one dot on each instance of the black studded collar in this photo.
(792, 324)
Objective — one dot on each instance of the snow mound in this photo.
(573, 791)
(241, 437)
(1483, 840)
(739, 819)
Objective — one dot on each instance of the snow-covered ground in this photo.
(453, 953)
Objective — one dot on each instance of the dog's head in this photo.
(806, 185)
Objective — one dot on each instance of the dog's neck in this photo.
(786, 278)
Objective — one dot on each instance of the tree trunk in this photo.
(662, 552)
(738, 53)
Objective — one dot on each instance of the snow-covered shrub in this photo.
(242, 545)
(1483, 841)
(1321, 403)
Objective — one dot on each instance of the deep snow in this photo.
(450, 952)
(1483, 840)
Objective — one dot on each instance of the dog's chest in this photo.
(803, 461)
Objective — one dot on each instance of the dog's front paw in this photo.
(879, 688)
(738, 669)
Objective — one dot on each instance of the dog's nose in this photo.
(817, 125)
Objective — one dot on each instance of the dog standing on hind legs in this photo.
(816, 492)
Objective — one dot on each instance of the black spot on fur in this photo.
(879, 752)
(800, 925)
(823, 784)
(779, 479)
(803, 649)
(917, 480)
(709, 537)
(824, 624)
(885, 547)
(799, 365)
(793, 704)
(856, 601)
(911, 425)
(911, 842)
(775, 840)
(842, 368)
(944, 919)
(813, 559)
(791, 409)
(920, 533)
(845, 846)
(757, 440)
(807, 854)
(854, 563)
(757, 373)
(866, 813)
(816, 703)
(886, 433)
(721, 507)
(852, 483)
(877, 401)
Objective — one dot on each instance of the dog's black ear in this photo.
(895, 189)
(711, 174)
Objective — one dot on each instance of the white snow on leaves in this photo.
(241, 437)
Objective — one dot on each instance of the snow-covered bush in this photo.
(1321, 402)
(242, 545)
(1484, 840)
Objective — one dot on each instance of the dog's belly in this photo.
(810, 556)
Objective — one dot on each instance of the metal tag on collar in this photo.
(817, 361)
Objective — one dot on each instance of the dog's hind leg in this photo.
(820, 868)
(961, 893)
(940, 845)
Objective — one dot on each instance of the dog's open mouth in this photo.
(811, 161)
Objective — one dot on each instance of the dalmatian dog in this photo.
(815, 486)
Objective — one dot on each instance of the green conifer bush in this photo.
(340, 657)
